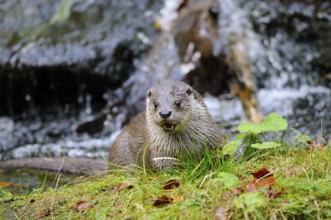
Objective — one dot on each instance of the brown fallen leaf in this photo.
(222, 213)
(120, 187)
(238, 190)
(163, 200)
(5, 184)
(252, 187)
(130, 187)
(266, 182)
(82, 206)
(43, 213)
(123, 186)
(262, 173)
(171, 184)
(272, 194)
(262, 179)
(178, 199)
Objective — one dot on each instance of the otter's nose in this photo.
(165, 114)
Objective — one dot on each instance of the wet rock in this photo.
(222, 62)
(196, 33)
(93, 43)
(92, 126)
(6, 132)
(295, 36)
(6, 125)
(61, 164)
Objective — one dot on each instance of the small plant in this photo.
(254, 137)
(200, 164)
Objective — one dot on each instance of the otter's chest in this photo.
(171, 145)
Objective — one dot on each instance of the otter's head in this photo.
(169, 105)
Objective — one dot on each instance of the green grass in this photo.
(305, 176)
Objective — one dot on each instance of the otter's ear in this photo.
(189, 91)
(149, 93)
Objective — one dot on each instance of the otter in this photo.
(176, 121)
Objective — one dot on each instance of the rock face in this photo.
(55, 50)
(298, 34)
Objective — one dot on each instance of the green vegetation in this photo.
(275, 179)
(63, 13)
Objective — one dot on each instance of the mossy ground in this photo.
(303, 174)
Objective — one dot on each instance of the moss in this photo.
(131, 194)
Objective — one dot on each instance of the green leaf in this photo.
(265, 145)
(249, 201)
(241, 136)
(229, 180)
(63, 13)
(273, 122)
(250, 128)
(231, 147)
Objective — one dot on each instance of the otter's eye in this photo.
(155, 104)
(177, 103)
